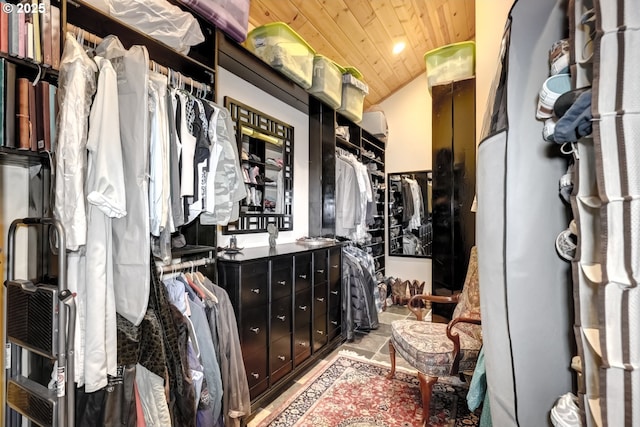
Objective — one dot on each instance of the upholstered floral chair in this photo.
(439, 349)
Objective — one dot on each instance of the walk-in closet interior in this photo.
(205, 203)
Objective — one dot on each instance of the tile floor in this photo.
(373, 345)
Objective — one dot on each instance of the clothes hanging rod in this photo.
(186, 264)
(93, 39)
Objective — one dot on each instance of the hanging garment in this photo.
(360, 302)
(184, 124)
(207, 356)
(175, 148)
(159, 169)
(418, 206)
(131, 234)
(407, 201)
(199, 129)
(347, 192)
(105, 189)
(159, 163)
(76, 87)
(236, 401)
(173, 329)
(226, 185)
(152, 397)
(111, 406)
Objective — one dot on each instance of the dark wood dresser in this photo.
(287, 302)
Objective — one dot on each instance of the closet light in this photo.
(398, 47)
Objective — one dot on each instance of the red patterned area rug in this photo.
(350, 392)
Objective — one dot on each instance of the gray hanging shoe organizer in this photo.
(40, 318)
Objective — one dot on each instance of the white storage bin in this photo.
(327, 81)
(282, 48)
(451, 62)
(375, 122)
(353, 92)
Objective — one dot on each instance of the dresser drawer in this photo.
(334, 297)
(302, 272)
(281, 361)
(320, 335)
(320, 302)
(257, 371)
(253, 329)
(335, 321)
(302, 307)
(281, 318)
(335, 268)
(281, 277)
(254, 284)
(320, 271)
(302, 342)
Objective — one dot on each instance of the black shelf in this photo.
(192, 250)
(372, 160)
(202, 69)
(346, 143)
(17, 157)
(29, 68)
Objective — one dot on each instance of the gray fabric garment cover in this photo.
(524, 285)
(131, 241)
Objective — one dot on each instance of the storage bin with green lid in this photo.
(451, 62)
(282, 48)
(353, 92)
(327, 81)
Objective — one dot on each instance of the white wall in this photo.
(240, 90)
(408, 113)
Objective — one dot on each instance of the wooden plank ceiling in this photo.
(362, 33)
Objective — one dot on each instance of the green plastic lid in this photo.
(282, 25)
(450, 49)
(354, 72)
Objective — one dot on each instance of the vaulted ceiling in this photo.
(362, 33)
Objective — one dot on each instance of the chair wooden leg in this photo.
(426, 387)
(392, 355)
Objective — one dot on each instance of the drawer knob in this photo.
(320, 271)
(334, 292)
(255, 290)
(282, 282)
(334, 322)
(319, 332)
(282, 358)
(335, 266)
(302, 276)
(303, 307)
(255, 375)
(281, 318)
(320, 299)
(255, 330)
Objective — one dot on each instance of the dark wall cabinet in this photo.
(287, 304)
(323, 142)
(454, 182)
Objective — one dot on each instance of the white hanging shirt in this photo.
(105, 189)
(76, 87)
